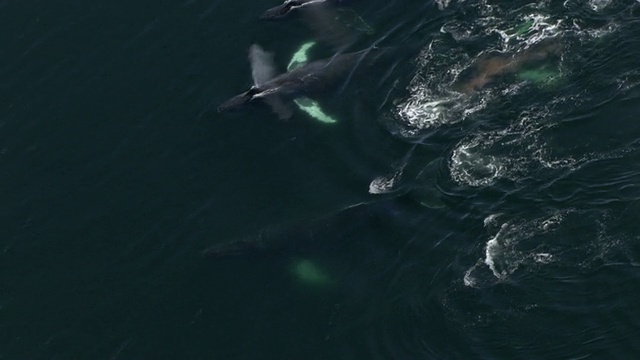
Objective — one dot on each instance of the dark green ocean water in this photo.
(506, 228)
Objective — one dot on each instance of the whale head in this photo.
(239, 100)
(281, 11)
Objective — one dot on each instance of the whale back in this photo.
(320, 75)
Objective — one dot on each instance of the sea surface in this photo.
(427, 222)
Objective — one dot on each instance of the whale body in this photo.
(289, 6)
(348, 223)
(330, 23)
(307, 80)
(491, 66)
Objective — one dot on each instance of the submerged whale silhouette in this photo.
(310, 79)
(491, 66)
(391, 216)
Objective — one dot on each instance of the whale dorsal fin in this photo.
(262, 66)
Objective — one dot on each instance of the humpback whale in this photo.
(281, 11)
(340, 226)
(309, 79)
(335, 27)
(491, 66)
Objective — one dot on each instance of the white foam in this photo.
(384, 184)
(515, 244)
(522, 147)
(442, 4)
(493, 252)
(543, 258)
(491, 220)
(431, 102)
(424, 110)
(469, 166)
(469, 279)
(527, 245)
(598, 5)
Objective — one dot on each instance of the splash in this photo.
(515, 245)
(527, 245)
(517, 152)
(431, 102)
(385, 183)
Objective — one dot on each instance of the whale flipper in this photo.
(279, 106)
(263, 68)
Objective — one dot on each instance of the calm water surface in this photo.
(424, 224)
